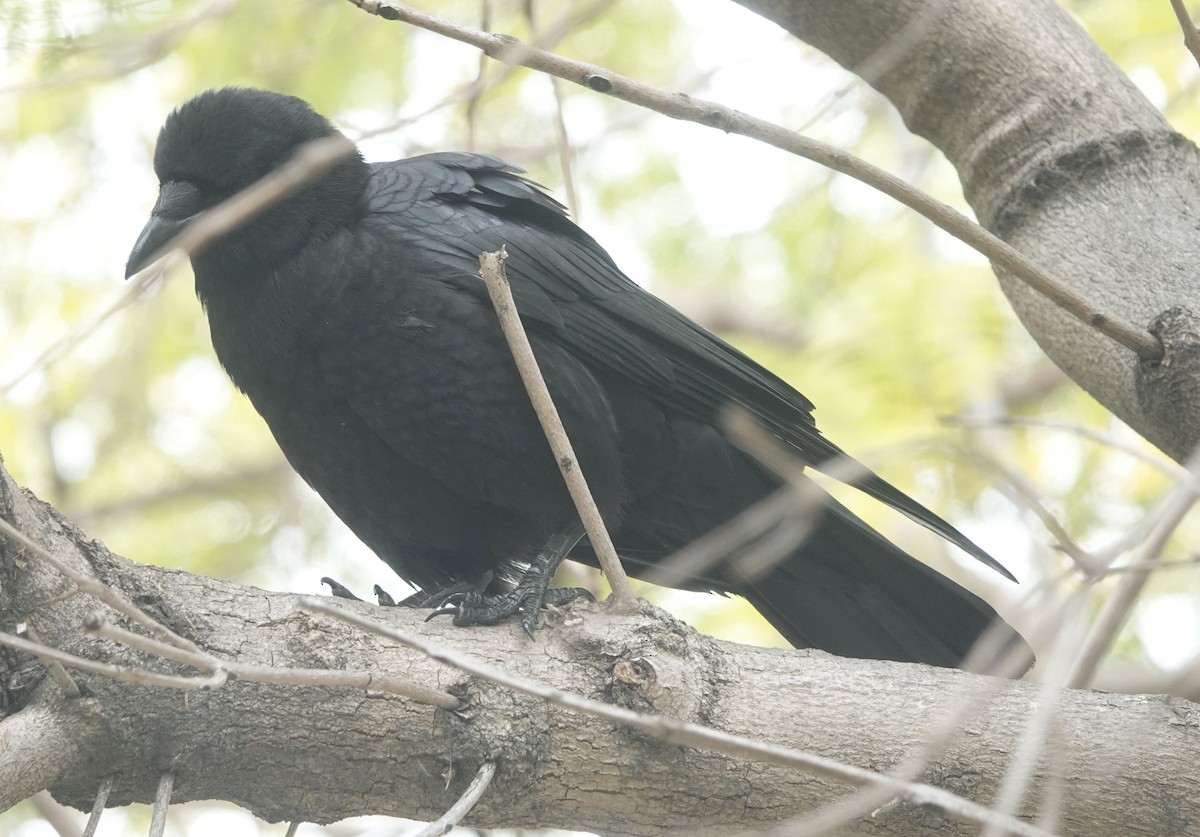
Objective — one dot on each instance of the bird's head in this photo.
(222, 141)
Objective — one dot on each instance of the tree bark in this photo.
(1059, 154)
(320, 753)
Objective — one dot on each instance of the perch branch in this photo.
(688, 734)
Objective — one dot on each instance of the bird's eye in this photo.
(179, 199)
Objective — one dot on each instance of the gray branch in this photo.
(319, 753)
(1059, 154)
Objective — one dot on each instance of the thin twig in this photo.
(310, 160)
(102, 792)
(879, 63)
(162, 800)
(477, 788)
(1191, 38)
(94, 587)
(548, 39)
(1116, 610)
(123, 674)
(1153, 566)
(562, 139)
(683, 733)
(1031, 744)
(1024, 494)
(480, 84)
(365, 680)
(1160, 463)
(491, 268)
(64, 680)
(61, 819)
(800, 502)
(121, 60)
(717, 545)
(509, 50)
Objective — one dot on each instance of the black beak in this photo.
(157, 233)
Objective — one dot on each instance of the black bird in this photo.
(353, 316)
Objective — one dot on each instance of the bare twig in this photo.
(726, 540)
(366, 680)
(145, 280)
(123, 674)
(1191, 38)
(491, 268)
(477, 788)
(98, 806)
(64, 680)
(561, 27)
(761, 526)
(1030, 746)
(477, 87)
(562, 139)
(1159, 463)
(687, 734)
(310, 160)
(124, 56)
(876, 65)
(1116, 610)
(1024, 494)
(96, 588)
(59, 818)
(1153, 566)
(509, 50)
(162, 800)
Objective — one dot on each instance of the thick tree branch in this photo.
(321, 753)
(1059, 154)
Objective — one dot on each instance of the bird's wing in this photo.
(455, 206)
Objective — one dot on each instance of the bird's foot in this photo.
(475, 608)
(422, 598)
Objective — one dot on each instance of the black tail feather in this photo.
(849, 591)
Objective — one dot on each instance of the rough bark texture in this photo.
(320, 754)
(1059, 154)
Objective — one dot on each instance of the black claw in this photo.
(445, 610)
(339, 590)
(529, 620)
(384, 597)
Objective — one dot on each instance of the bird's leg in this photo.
(528, 597)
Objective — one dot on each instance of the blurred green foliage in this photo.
(882, 321)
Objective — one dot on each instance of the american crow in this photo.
(353, 316)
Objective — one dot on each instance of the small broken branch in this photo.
(478, 787)
(491, 268)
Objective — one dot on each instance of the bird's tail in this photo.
(849, 591)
